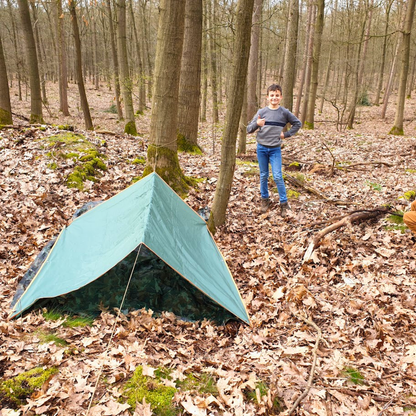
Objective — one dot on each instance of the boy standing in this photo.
(270, 122)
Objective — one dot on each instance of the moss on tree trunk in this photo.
(184, 145)
(130, 128)
(165, 163)
(5, 117)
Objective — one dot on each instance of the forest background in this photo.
(332, 315)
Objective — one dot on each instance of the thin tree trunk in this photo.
(190, 80)
(213, 61)
(242, 131)
(319, 27)
(62, 60)
(405, 54)
(96, 66)
(358, 88)
(383, 55)
(115, 61)
(35, 90)
(289, 69)
(125, 80)
(253, 63)
(5, 107)
(308, 46)
(139, 52)
(18, 56)
(39, 53)
(78, 68)
(234, 105)
(392, 74)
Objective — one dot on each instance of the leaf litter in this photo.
(357, 288)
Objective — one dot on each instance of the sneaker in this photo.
(284, 208)
(265, 202)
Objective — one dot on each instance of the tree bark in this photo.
(62, 61)
(405, 54)
(289, 67)
(35, 90)
(139, 52)
(358, 88)
(213, 61)
(115, 61)
(308, 47)
(5, 107)
(18, 56)
(78, 68)
(125, 80)
(383, 55)
(190, 79)
(162, 156)
(234, 106)
(253, 63)
(319, 27)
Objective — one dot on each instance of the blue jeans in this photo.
(272, 155)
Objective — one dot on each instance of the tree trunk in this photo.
(78, 68)
(358, 88)
(190, 79)
(383, 55)
(253, 63)
(213, 61)
(139, 52)
(18, 56)
(39, 52)
(5, 107)
(309, 58)
(35, 91)
(234, 105)
(405, 54)
(242, 133)
(319, 27)
(308, 47)
(162, 155)
(392, 73)
(62, 61)
(289, 68)
(115, 61)
(125, 80)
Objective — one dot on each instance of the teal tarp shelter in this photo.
(145, 227)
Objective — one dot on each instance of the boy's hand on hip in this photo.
(282, 135)
(261, 121)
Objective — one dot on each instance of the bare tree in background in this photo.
(36, 115)
(190, 80)
(5, 107)
(125, 79)
(78, 66)
(405, 54)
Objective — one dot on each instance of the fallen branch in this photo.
(314, 191)
(348, 220)
(315, 357)
(365, 164)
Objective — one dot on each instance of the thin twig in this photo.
(315, 357)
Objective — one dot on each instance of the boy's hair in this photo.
(274, 87)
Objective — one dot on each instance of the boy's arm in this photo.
(295, 124)
(253, 126)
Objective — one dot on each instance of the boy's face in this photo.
(274, 98)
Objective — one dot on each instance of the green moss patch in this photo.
(15, 391)
(354, 376)
(292, 194)
(69, 321)
(185, 146)
(139, 161)
(47, 337)
(160, 390)
(89, 163)
(408, 196)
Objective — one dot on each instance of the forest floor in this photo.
(342, 323)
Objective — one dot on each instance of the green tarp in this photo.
(145, 235)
